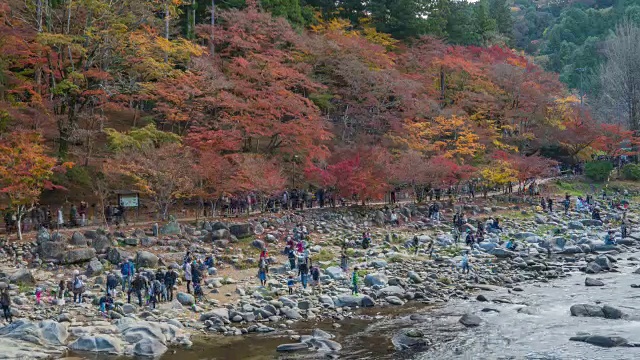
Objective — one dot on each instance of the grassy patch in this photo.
(326, 255)
(451, 251)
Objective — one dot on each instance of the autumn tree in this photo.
(25, 171)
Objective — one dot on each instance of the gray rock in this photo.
(51, 249)
(604, 262)
(348, 301)
(470, 320)
(146, 259)
(78, 239)
(335, 273)
(586, 310)
(367, 301)
(99, 344)
(379, 264)
(603, 341)
(376, 279)
(611, 313)
(576, 225)
(220, 313)
(593, 282)
(241, 231)
(258, 244)
(291, 313)
(221, 234)
(391, 291)
(593, 268)
(481, 298)
(170, 228)
(101, 244)
(394, 300)
(149, 347)
(571, 249)
(591, 222)
(117, 256)
(76, 256)
(503, 253)
(221, 243)
(186, 299)
(22, 277)
(94, 267)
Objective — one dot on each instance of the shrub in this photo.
(631, 172)
(598, 170)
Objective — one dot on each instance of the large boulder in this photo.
(611, 313)
(101, 243)
(51, 249)
(376, 279)
(593, 268)
(503, 253)
(348, 300)
(219, 313)
(241, 231)
(586, 310)
(604, 262)
(335, 273)
(146, 259)
(76, 256)
(576, 225)
(470, 320)
(185, 299)
(77, 239)
(43, 235)
(46, 332)
(220, 234)
(391, 291)
(22, 277)
(149, 347)
(117, 256)
(99, 344)
(94, 268)
(591, 222)
(170, 228)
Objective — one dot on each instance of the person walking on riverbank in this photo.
(354, 281)
(465, 263)
(5, 302)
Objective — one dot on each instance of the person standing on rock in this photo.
(112, 283)
(430, 249)
(344, 261)
(127, 270)
(567, 203)
(303, 271)
(137, 285)
(623, 229)
(170, 278)
(262, 273)
(315, 278)
(465, 263)
(292, 259)
(78, 287)
(354, 281)
(290, 284)
(5, 302)
(470, 240)
(543, 204)
(550, 205)
(188, 277)
(416, 244)
(61, 287)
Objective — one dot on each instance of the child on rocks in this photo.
(291, 283)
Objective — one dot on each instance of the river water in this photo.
(534, 324)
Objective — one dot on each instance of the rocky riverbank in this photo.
(393, 275)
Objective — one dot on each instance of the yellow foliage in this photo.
(452, 137)
(499, 173)
(386, 40)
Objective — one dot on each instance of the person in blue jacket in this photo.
(128, 270)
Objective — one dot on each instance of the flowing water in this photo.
(535, 325)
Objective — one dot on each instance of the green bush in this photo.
(631, 172)
(598, 170)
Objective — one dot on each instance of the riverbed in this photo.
(534, 323)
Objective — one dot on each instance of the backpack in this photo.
(77, 283)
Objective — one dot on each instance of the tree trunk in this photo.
(166, 28)
(213, 24)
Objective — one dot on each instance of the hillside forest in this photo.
(192, 99)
